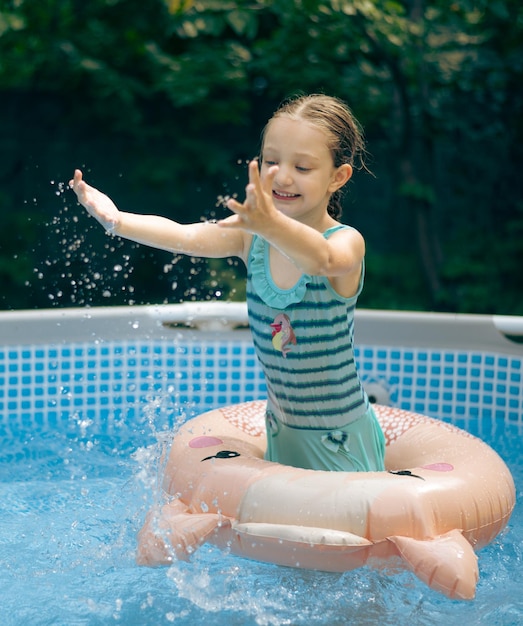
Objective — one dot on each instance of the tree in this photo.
(164, 106)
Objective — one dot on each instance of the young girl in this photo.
(304, 274)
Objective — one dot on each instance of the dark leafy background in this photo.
(162, 102)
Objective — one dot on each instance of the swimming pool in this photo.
(88, 398)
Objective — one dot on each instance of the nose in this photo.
(283, 177)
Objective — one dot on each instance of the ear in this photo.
(341, 175)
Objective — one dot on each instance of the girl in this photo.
(304, 274)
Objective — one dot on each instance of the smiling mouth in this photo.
(281, 195)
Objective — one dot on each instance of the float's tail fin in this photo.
(446, 563)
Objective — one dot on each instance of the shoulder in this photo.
(344, 235)
(337, 229)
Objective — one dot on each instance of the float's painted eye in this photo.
(405, 473)
(223, 454)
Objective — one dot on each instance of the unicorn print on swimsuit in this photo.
(282, 334)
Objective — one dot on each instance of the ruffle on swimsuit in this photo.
(261, 277)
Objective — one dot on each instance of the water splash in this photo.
(78, 264)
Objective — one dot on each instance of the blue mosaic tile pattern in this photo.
(115, 380)
(448, 384)
(102, 383)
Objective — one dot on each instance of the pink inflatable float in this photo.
(444, 495)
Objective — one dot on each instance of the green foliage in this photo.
(392, 282)
(162, 104)
(482, 271)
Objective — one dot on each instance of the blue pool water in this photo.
(81, 438)
(69, 511)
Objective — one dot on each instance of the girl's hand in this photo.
(97, 203)
(257, 210)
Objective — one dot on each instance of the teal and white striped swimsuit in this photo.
(318, 414)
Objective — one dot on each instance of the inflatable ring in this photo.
(444, 494)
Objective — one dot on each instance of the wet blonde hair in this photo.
(344, 134)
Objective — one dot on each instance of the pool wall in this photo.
(103, 366)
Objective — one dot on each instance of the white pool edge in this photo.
(163, 322)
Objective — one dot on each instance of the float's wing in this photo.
(174, 532)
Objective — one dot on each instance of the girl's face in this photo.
(306, 176)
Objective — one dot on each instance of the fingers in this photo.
(258, 200)
(254, 172)
(83, 191)
(258, 186)
(269, 179)
(252, 196)
(234, 205)
(255, 177)
(233, 221)
(240, 217)
(76, 180)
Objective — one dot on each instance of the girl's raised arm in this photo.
(340, 255)
(204, 239)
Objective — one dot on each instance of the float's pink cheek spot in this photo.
(439, 467)
(204, 442)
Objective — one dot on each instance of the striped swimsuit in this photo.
(318, 414)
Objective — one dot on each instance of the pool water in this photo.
(72, 501)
